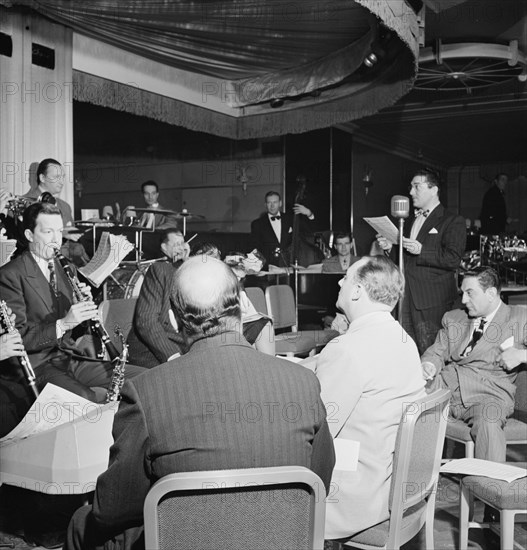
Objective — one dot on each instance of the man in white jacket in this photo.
(368, 376)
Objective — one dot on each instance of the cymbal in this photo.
(150, 210)
(188, 216)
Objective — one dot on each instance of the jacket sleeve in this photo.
(121, 490)
(149, 312)
(446, 251)
(440, 351)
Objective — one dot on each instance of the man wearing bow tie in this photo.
(434, 245)
(272, 232)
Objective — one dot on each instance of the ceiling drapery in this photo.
(307, 57)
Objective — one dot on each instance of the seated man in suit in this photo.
(153, 338)
(272, 232)
(343, 259)
(367, 377)
(181, 416)
(37, 290)
(475, 355)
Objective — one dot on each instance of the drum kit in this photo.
(127, 279)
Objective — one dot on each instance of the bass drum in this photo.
(127, 280)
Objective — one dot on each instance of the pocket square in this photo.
(290, 230)
(433, 231)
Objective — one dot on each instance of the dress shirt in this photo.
(418, 223)
(276, 224)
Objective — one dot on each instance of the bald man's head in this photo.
(206, 297)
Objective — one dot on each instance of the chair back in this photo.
(257, 297)
(417, 459)
(119, 313)
(520, 399)
(258, 508)
(281, 307)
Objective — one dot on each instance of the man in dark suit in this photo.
(153, 338)
(476, 355)
(37, 290)
(494, 209)
(222, 405)
(272, 232)
(157, 220)
(433, 248)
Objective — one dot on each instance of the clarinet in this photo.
(95, 324)
(117, 381)
(24, 359)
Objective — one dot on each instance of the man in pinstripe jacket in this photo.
(476, 355)
(222, 405)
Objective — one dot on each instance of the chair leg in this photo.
(469, 449)
(430, 513)
(465, 504)
(507, 529)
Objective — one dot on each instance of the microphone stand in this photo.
(401, 267)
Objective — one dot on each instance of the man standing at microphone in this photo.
(433, 248)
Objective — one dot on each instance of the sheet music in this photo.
(54, 406)
(478, 467)
(111, 251)
(384, 226)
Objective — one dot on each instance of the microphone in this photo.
(400, 206)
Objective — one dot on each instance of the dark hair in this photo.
(167, 232)
(43, 166)
(33, 211)
(486, 276)
(200, 320)
(381, 279)
(149, 182)
(343, 235)
(271, 193)
(205, 249)
(431, 177)
(498, 176)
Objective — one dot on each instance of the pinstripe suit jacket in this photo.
(431, 274)
(153, 339)
(222, 405)
(481, 378)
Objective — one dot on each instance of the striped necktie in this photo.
(476, 336)
(52, 276)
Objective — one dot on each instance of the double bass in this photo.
(303, 250)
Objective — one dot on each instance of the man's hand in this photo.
(412, 246)
(512, 357)
(385, 244)
(78, 313)
(429, 370)
(301, 209)
(86, 290)
(11, 345)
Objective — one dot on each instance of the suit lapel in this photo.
(430, 222)
(35, 278)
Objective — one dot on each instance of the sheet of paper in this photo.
(507, 343)
(346, 454)
(54, 406)
(478, 467)
(384, 226)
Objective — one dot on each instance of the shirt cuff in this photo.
(312, 217)
(61, 329)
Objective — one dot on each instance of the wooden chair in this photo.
(415, 474)
(258, 509)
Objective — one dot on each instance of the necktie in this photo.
(476, 336)
(273, 218)
(421, 212)
(52, 276)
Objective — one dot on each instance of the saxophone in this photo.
(117, 381)
(24, 359)
(95, 324)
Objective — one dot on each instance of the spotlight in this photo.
(276, 102)
(370, 60)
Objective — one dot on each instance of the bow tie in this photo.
(273, 218)
(421, 212)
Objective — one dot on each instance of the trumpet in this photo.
(18, 203)
(5, 319)
(96, 326)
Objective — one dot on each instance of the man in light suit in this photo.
(434, 246)
(192, 413)
(475, 355)
(153, 338)
(37, 290)
(344, 258)
(272, 232)
(368, 376)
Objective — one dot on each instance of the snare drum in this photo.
(128, 279)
